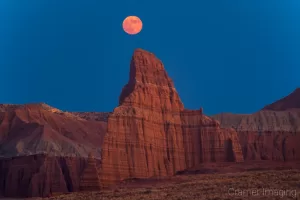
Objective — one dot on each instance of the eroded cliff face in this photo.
(89, 180)
(266, 135)
(151, 134)
(43, 150)
(40, 175)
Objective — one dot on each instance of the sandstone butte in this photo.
(272, 133)
(46, 151)
(151, 134)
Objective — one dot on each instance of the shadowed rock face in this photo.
(40, 175)
(44, 175)
(290, 102)
(270, 134)
(151, 134)
(89, 180)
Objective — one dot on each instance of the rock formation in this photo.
(43, 150)
(151, 134)
(38, 128)
(39, 175)
(89, 179)
(290, 102)
(94, 116)
(270, 134)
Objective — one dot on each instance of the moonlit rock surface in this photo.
(151, 134)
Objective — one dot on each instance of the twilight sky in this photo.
(225, 56)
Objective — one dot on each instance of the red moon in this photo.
(132, 25)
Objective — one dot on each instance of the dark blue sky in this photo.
(225, 56)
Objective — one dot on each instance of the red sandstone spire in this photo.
(149, 84)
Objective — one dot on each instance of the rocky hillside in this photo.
(270, 134)
(93, 116)
(40, 129)
(290, 102)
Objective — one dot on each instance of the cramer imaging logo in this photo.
(267, 192)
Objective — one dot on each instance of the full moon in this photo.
(132, 25)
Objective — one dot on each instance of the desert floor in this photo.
(214, 182)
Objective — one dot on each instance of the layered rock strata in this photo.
(89, 178)
(151, 134)
(40, 175)
(40, 129)
(266, 135)
(43, 150)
